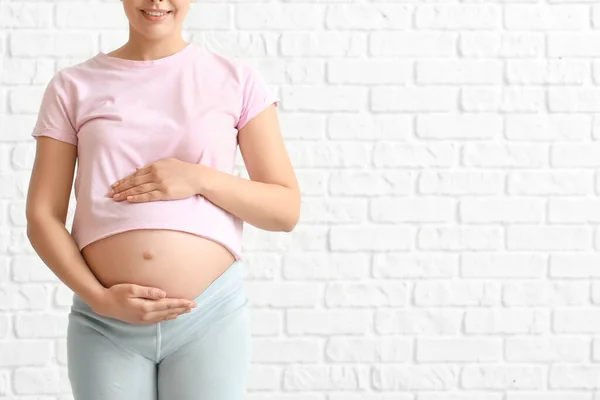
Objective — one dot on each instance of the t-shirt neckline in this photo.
(122, 62)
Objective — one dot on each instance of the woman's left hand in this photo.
(166, 179)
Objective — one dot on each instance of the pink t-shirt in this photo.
(122, 114)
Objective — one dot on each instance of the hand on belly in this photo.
(137, 304)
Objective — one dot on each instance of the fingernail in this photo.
(194, 305)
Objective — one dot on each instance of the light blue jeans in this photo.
(201, 355)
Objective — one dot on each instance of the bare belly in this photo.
(180, 263)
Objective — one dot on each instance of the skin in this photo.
(153, 41)
(270, 200)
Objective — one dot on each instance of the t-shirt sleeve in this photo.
(54, 119)
(256, 94)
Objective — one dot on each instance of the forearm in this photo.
(267, 206)
(57, 249)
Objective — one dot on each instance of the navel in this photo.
(147, 255)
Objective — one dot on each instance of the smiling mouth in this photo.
(162, 14)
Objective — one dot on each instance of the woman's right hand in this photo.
(137, 304)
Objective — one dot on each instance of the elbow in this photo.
(33, 221)
(39, 219)
(33, 227)
(34, 213)
(34, 224)
(38, 213)
(289, 223)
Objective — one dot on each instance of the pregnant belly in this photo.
(180, 263)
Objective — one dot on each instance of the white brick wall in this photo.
(447, 154)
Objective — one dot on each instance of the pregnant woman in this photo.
(154, 255)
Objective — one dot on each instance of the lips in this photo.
(155, 18)
(162, 13)
(156, 10)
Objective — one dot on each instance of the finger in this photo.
(136, 190)
(169, 317)
(131, 183)
(124, 180)
(154, 195)
(146, 292)
(143, 170)
(165, 305)
(120, 181)
(158, 315)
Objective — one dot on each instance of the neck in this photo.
(142, 49)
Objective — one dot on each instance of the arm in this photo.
(46, 211)
(271, 199)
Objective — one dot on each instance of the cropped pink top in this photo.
(122, 114)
